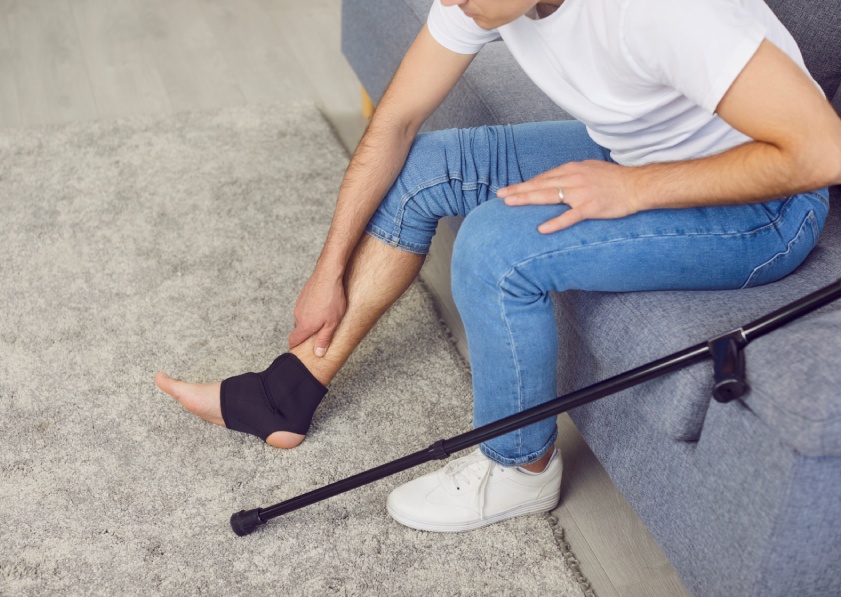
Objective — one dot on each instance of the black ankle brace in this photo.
(281, 398)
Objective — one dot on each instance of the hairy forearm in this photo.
(749, 173)
(374, 167)
(797, 147)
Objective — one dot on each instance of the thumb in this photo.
(322, 340)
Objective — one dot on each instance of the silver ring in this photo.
(560, 195)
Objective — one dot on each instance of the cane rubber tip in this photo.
(245, 521)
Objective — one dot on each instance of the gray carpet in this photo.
(180, 243)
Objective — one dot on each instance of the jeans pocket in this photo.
(785, 262)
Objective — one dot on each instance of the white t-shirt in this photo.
(644, 76)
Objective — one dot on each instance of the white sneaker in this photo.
(472, 492)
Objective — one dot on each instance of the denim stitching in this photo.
(771, 224)
(750, 232)
(472, 186)
(409, 195)
(546, 255)
(811, 221)
(417, 189)
(513, 347)
(530, 458)
(410, 248)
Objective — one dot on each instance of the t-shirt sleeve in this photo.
(455, 31)
(698, 47)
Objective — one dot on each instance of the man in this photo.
(699, 144)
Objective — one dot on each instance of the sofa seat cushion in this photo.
(799, 389)
(604, 334)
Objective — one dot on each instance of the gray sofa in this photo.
(743, 498)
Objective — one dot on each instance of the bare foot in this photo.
(203, 401)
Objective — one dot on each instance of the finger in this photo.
(299, 334)
(545, 196)
(548, 178)
(565, 220)
(522, 187)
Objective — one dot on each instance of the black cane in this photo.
(730, 383)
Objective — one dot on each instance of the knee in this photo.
(421, 194)
(482, 255)
(427, 165)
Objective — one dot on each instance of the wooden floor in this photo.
(70, 60)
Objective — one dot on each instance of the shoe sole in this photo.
(543, 505)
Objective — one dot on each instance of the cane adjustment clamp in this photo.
(438, 451)
(729, 365)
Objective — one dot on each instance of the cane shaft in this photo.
(792, 311)
(617, 383)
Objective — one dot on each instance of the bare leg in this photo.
(377, 275)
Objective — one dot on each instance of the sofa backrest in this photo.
(816, 26)
(837, 102)
(835, 192)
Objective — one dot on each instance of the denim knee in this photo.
(485, 252)
(466, 262)
(427, 189)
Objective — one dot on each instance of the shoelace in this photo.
(466, 470)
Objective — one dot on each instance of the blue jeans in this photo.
(503, 269)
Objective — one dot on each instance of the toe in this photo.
(176, 388)
(165, 383)
(200, 399)
(180, 390)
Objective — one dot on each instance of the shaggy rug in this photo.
(180, 243)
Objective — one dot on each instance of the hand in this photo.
(320, 307)
(592, 190)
